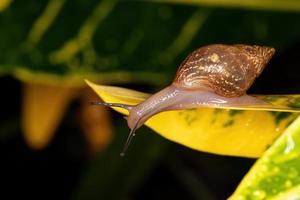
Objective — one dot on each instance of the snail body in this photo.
(216, 75)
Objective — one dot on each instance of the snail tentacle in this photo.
(120, 105)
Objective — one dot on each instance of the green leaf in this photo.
(65, 41)
(282, 5)
(276, 174)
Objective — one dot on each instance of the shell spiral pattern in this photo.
(228, 70)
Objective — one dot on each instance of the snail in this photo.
(215, 75)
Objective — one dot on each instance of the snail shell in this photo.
(229, 70)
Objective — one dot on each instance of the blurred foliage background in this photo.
(54, 145)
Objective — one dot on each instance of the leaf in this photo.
(4, 4)
(52, 40)
(276, 174)
(42, 110)
(220, 131)
(283, 5)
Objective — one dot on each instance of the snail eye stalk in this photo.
(120, 105)
(129, 138)
(132, 131)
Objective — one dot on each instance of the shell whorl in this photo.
(229, 70)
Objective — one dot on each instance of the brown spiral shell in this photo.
(229, 70)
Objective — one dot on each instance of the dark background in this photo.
(153, 167)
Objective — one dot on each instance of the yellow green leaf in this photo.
(276, 174)
(283, 5)
(4, 4)
(42, 110)
(75, 79)
(220, 131)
